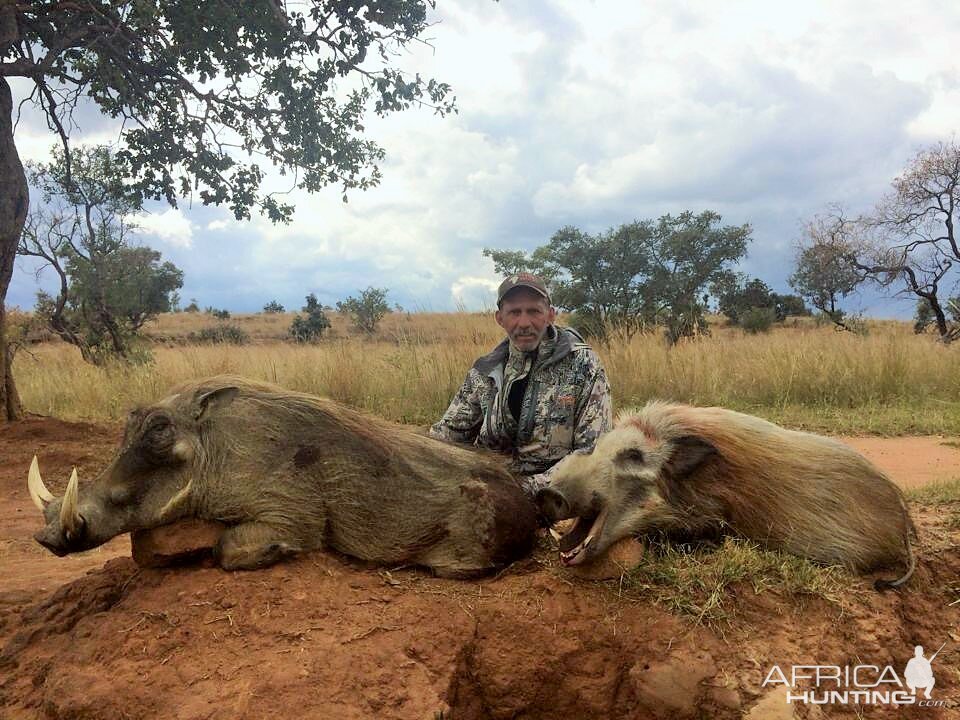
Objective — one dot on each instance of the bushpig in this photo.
(290, 472)
(692, 472)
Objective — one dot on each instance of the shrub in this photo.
(273, 307)
(230, 334)
(685, 321)
(368, 310)
(758, 319)
(310, 328)
(220, 314)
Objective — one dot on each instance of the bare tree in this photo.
(826, 270)
(913, 232)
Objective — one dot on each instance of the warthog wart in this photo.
(290, 472)
(690, 472)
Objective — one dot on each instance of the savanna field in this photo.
(889, 381)
(690, 632)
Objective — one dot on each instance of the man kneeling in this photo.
(538, 396)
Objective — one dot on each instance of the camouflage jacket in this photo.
(566, 405)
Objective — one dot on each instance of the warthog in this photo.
(690, 472)
(290, 472)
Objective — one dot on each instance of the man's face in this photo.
(525, 315)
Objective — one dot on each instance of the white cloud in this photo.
(473, 292)
(594, 114)
(170, 226)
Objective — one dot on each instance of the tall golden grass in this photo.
(888, 382)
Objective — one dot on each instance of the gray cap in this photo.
(524, 279)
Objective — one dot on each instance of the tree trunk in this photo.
(14, 201)
(941, 318)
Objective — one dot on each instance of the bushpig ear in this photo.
(688, 454)
(214, 400)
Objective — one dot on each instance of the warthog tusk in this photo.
(69, 514)
(38, 491)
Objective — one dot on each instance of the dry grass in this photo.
(889, 382)
(173, 328)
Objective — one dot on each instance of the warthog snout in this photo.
(66, 526)
(53, 539)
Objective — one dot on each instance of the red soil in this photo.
(321, 636)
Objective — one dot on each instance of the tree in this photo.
(108, 289)
(924, 317)
(642, 273)
(789, 306)
(207, 92)
(737, 299)
(591, 275)
(913, 239)
(691, 253)
(273, 307)
(826, 270)
(368, 310)
(23, 327)
(311, 327)
(758, 319)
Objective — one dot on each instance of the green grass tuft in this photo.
(936, 493)
(702, 583)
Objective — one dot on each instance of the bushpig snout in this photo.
(553, 505)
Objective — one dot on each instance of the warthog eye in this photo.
(159, 438)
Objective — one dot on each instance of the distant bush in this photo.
(192, 307)
(758, 319)
(857, 324)
(588, 324)
(273, 307)
(230, 334)
(310, 327)
(220, 314)
(368, 310)
(790, 306)
(685, 321)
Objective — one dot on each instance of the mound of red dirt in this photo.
(325, 637)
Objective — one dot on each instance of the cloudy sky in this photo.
(592, 114)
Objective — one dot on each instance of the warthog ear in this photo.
(213, 400)
(689, 453)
